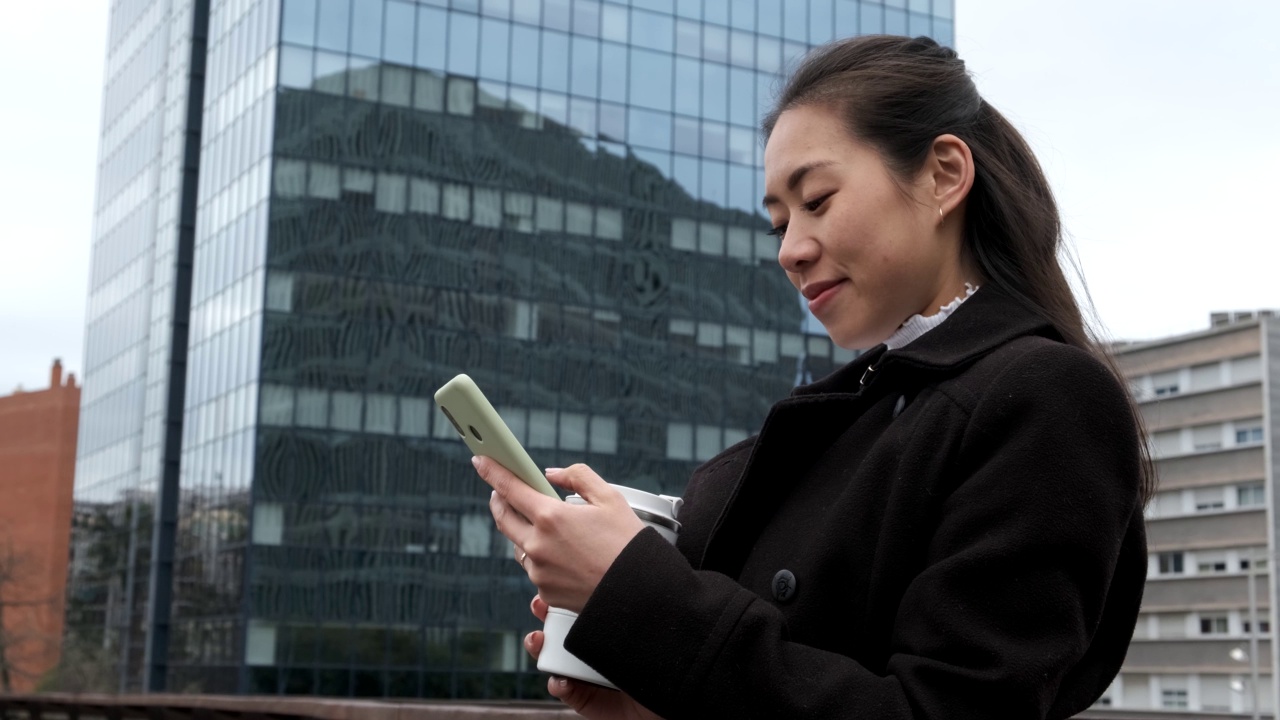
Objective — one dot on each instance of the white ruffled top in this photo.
(918, 325)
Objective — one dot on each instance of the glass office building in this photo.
(331, 207)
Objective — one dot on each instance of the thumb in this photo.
(584, 481)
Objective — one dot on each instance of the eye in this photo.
(814, 204)
(778, 231)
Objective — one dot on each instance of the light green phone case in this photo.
(483, 430)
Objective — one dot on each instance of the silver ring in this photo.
(523, 556)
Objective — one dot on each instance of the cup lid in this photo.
(659, 509)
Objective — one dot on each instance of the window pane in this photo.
(585, 67)
(651, 79)
(398, 33)
(397, 85)
(313, 408)
(495, 39)
(604, 434)
(573, 431)
(424, 196)
(524, 55)
(380, 414)
(613, 23)
(613, 67)
(555, 61)
(428, 91)
(464, 38)
(432, 33)
(295, 67)
(366, 29)
(347, 410)
(298, 22)
(550, 214)
(715, 96)
(331, 73)
(651, 30)
(415, 416)
(488, 207)
(390, 194)
(333, 25)
(650, 129)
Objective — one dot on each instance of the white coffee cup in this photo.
(658, 512)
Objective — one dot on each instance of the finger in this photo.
(510, 523)
(539, 607)
(533, 643)
(584, 481)
(510, 488)
(562, 688)
(576, 695)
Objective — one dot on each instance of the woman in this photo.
(948, 527)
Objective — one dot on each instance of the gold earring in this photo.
(944, 217)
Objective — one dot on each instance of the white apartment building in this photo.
(1210, 401)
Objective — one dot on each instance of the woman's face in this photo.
(864, 254)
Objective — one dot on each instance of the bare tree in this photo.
(25, 642)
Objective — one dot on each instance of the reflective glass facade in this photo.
(557, 197)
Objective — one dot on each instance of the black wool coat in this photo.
(961, 522)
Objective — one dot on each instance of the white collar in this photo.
(918, 325)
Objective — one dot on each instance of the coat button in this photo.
(784, 586)
(898, 406)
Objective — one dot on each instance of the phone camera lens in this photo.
(475, 432)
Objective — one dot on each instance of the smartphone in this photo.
(484, 432)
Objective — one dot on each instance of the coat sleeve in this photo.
(1013, 592)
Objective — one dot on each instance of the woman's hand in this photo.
(565, 549)
(587, 699)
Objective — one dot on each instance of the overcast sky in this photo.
(1158, 122)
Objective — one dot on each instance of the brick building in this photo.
(37, 465)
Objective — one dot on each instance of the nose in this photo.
(798, 249)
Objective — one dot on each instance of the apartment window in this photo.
(1166, 504)
(1206, 438)
(1210, 499)
(1215, 693)
(1171, 563)
(1213, 625)
(1171, 625)
(1211, 563)
(1164, 384)
(1245, 562)
(1206, 376)
(1173, 698)
(1264, 626)
(1249, 435)
(1253, 494)
(1245, 369)
(1166, 442)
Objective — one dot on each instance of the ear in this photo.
(948, 172)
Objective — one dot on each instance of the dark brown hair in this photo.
(898, 94)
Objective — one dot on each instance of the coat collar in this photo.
(990, 318)
(801, 427)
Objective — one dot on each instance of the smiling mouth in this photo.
(812, 291)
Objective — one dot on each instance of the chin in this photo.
(859, 339)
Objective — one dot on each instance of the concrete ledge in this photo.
(211, 707)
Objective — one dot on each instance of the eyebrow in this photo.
(795, 177)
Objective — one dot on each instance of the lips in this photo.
(814, 289)
(820, 294)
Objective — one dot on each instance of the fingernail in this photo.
(493, 494)
(562, 683)
(475, 461)
(552, 471)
